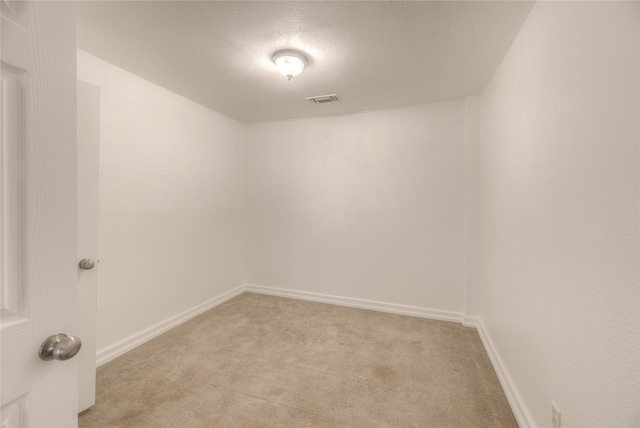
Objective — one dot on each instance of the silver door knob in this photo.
(86, 264)
(59, 347)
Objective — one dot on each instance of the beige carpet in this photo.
(262, 361)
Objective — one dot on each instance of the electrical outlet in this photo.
(555, 416)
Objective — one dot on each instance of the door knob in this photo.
(86, 264)
(59, 347)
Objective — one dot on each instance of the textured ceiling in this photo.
(373, 54)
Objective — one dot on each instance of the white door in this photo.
(39, 266)
(88, 161)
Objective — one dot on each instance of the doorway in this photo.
(88, 126)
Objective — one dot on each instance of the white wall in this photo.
(171, 203)
(364, 206)
(559, 161)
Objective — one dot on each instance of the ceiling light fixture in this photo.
(290, 62)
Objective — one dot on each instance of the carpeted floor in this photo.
(262, 361)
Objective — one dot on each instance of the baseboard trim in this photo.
(105, 355)
(357, 303)
(516, 402)
(470, 321)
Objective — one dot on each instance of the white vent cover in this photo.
(321, 99)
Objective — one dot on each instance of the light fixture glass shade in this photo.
(290, 63)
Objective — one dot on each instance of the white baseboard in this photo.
(105, 355)
(516, 402)
(470, 321)
(357, 303)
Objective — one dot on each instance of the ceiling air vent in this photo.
(322, 99)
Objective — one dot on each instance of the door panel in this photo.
(38, 210)
(12, 116)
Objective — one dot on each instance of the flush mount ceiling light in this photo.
(290, 62)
